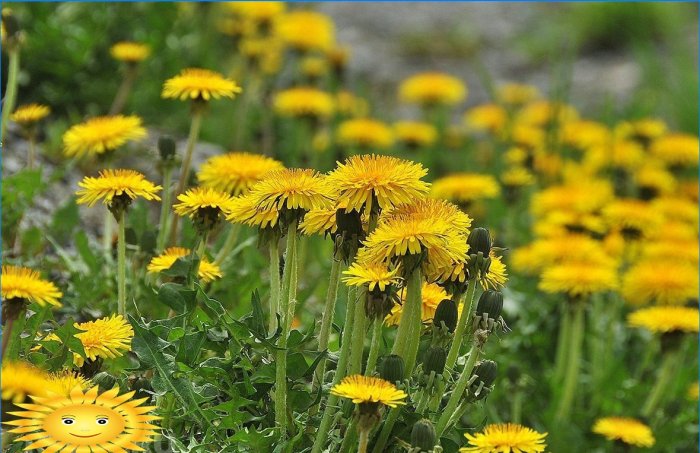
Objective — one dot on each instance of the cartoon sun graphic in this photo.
(84, 422)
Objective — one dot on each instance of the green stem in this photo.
(377, 326)
(415, 301)
(231, 241)
(164, 207)
(350, 436)
(364, 440)
(562, 345)
(32, 152)
(274, 284)
(121, 265)
(516, 408)
(326, 321)
(386, 430)
(571, 377)
(666, 372)
(10, 89)
(124, 89)
(459, 389)
(195, 126)
(331, 404)
(107, 236)
(286, 307)
(460, 331)
(358, 334)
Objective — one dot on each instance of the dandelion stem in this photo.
(461, 327)
(32, 152)
(124, 89)
(386, 430)
(7, 333)
(573, 366)
(107, 236)
(516, 407)
(195, 126)
(350, 436)
(274, 284)
(364, 440)
(10, 90)
(121, 264)
(328, 313)
(164, 207)
(403, 334)
(562, 345)
(666, 372)
(374, 346)
(287, 308)
(413, 298)
(459, 389)
(331, 404)
(358, 334)
(231, 241)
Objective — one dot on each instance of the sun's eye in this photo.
(68, 421)
(102, 421)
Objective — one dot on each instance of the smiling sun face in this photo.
(103, 422)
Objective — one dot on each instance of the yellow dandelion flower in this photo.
(24, 283)
(367, 389)
(654, 180)
(373, 275)
(667, 282)
(633, 217)
(497, 275)
(199, 200)
(105, 338)
(584, 134)
(67, 380)
(684, 250)
(516, 93)
(689, 189)
(235, 172)
(694, 391)
(306, 30)
(208, 271)
(292, 189)
(579, 278)
(319, 221)
(430, 88)
(677, 149)
(364, 133)
(30, 113)
(365, 180)
(527, 136)
(544, 113)
(258, 11)
(465, 187)
(415, 133)
(678, 209)
(111, 184)
(102, 134)
(666, 319)
(490, 118)
(431, 293)
(349, 104)
(303, 102)
(130, 52)
(517, 177)
(244, 210)
(19, 379)
(554, 250)
(559, 223)
(199, 84)
(314, 67)
(586, 196)
(505, 438)
(643, 130)
(627, 430)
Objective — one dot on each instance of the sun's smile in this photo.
(78, 435)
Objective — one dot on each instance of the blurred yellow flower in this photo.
(236, 172)
(666, 319)
(545, 113)
(677, 149)
(208, 271)
(102, 134)
(199, 84)
(306, 30)
(258, 11)
(432, 88)
(30, 113)
(415, 133)
(67, 380)
(627, 430)
(667, 282)
(364, 133)
(465, 187)
(349, 104)
(303, 101)
(584, 134)
(579, 278)
(130, 52)
(489, 118)
(19, 379)
(516, 93)
(517, 177)
(634, 218)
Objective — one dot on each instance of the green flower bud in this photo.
(446, 312)
(423, 435)
(434, 360)
(490, 304)
(392, 368)
(479, 240)
(166, 147)
(484, 375)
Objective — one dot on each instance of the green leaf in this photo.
(258, 315)
(64, 221)
(190, 347)
(67, 334)
(181, 267)
(177, 297)
(85, 251)
(148, 241)
(296, 365)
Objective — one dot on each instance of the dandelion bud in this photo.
(479, 240)
(423, 435)
(392, 368)
(490, 304)
(446, 312)
(166, 147)
(434, 360)
(483, 377)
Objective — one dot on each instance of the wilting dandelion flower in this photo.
(199, 84)
(665, 319)
(627, 430)
(415, 134)
(505, 438)
(19, 379)
(130, 52)
(303, 102)
(364, 133)
(208, 271)
(465, 187)
(110, 185)
(367, 389)
(102, 134)
(237, 172)
(432, 88)
(105, 338)
(26, 284)
(667, 283)
(364, 181)
(30, 113)
(306, 30)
